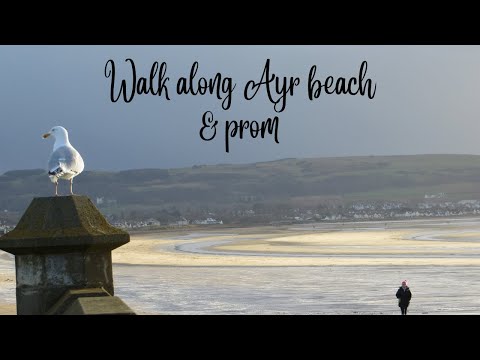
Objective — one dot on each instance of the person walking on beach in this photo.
(404, 295)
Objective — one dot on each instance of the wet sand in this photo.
(348, 245)
(350, 268)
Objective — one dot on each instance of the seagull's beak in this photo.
(46, 135)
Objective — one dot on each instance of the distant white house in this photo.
(181, 222)
(468, 202)
(208, 221)
(152, 222)
(103, 201)
(4, 229)
(435, 196)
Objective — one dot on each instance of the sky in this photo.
(426, 102)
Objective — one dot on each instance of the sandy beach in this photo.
(307, 246)
(302, 269)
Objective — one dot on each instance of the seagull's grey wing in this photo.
(65, 159)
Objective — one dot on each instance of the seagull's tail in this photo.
(55, 174)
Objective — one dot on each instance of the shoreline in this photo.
(319, 246)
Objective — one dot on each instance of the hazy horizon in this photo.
(425, 103)
(260, 161)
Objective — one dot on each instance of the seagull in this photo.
(65, 161)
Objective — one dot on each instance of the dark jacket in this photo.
(403, 296)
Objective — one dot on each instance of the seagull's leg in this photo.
(71, 186)
(56, 188)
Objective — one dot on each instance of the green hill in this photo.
(287, 182)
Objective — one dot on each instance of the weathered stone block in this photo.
(61, 243)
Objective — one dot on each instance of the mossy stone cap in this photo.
(61, 224)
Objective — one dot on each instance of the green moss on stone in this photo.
(64, 220)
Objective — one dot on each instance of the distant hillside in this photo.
(288, 181)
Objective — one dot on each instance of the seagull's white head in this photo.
(59, 133)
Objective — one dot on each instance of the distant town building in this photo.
(182, 222)
(435, 196)
(152, 222)
(208, 221)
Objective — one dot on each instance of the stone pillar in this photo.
(61, 243)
